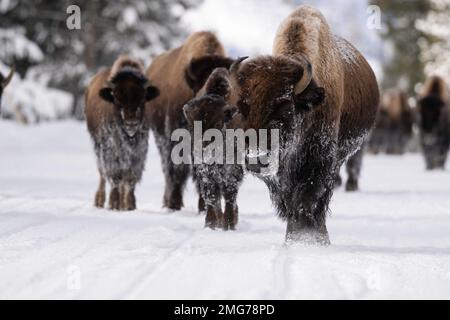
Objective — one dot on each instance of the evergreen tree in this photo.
(404, 68)
(69, 58)
(435, 53)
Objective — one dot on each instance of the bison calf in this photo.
(115, 102)
(216, 180)
(434, 123)
(4, 82)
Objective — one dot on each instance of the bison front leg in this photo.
(214, 215)
(306, 190)
(100, 195)
(114, 198)
(127, 197)
(231, 215)
(354, 165)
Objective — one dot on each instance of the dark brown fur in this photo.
(115, 102)
(321, 127)
(434, 122)
(180, 74)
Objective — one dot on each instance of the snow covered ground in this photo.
(392, 240)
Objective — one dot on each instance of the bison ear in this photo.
(107, 94)
(312, 97)
(152, 93)
(199, 70)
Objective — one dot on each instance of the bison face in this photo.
(272, 91)
(4, 82)
(211, 107)
(129, 91)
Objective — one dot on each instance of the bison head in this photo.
(199, 70)
(211, 107)
(4, 82)
(271, 91)
(129, 91)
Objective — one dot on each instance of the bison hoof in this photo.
(352, 185)
(230, 222)
(100, 200)
(214, 220)
(308, 238)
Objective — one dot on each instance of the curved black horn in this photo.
(235, 66)
(307, 74)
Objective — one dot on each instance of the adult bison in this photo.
(4, 81)
(394, 126)
(322, 95)
(115, 102)
(180, 74)
(434, 122)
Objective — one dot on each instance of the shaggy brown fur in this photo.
(180, 74)
(434, 122)
(321, 126)
(4, 81)
(394, 124)
(115, 102)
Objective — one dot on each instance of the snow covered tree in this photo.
(403, 67)
(46, 50)
(435, 54)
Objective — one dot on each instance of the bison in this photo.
(353, 168)
(394, 126)
(323, 97)
(221, 179)
(4, 82)
(434, 122)
(180, 74)
(115, 103)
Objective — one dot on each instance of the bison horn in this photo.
(307, 75)
(9, 77)
(235, 66)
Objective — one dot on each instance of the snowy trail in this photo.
(392, 240)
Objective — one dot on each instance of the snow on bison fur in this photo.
(322, 95)
(115, 103)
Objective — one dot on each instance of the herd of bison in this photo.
(316, 89)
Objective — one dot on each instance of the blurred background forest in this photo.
(54, 64)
